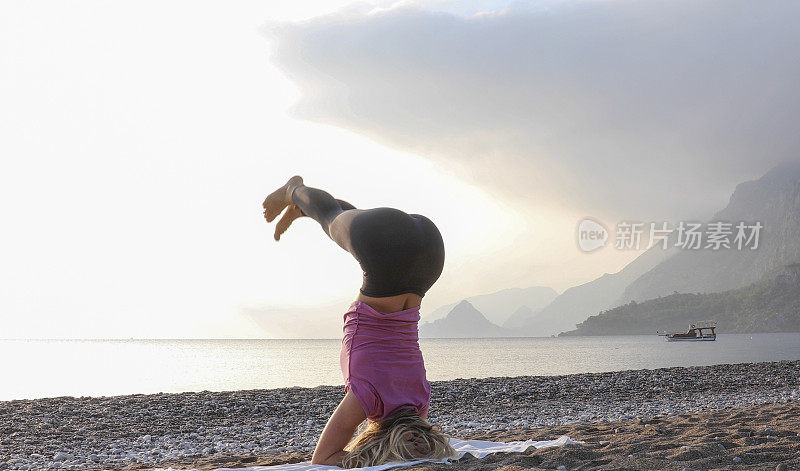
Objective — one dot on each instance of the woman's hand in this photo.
(339, 431)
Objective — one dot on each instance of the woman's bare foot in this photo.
(292, 213)
(280, 198)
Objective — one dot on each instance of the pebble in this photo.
(782, 467)
(737, 459)
(145, 430)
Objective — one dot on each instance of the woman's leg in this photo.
(398, 252)
(319, 205)
(311, 202)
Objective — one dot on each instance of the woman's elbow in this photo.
(332, 460)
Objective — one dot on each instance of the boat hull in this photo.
(689, 339)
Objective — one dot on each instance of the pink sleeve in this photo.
(367, 397)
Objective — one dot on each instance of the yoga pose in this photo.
(401, 255)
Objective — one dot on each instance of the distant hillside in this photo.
(773, 200)
(499, 306)
(579, 302)
(519, 317)
(768, 306)
(463, 321)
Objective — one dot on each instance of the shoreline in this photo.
(197, 429)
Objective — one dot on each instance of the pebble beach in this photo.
(611, 412)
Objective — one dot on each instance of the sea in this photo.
(48, 368)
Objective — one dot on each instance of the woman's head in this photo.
(403, 436)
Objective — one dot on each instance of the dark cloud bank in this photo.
(642, 109)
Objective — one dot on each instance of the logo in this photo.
(591, 235)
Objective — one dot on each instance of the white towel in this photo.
(476, 448)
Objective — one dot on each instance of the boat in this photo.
(698, 332)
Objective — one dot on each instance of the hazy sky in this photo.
(138, 139)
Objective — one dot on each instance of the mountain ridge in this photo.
(463, 321)
(774, 201)
(771, 305)
(500, 305)
(579, 302)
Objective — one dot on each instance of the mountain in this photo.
(774, 201)
(463, 321)
(772, 305)
(499, 306)
(579, 302)
(519, 317)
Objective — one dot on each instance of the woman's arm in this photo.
(339, 431)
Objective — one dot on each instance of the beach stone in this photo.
(110, 432)
(737, 459)
(61, 456)
(782, 467)
(562, 468)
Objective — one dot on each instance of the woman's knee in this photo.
(316, 204)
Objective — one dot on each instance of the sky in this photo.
(138, 140)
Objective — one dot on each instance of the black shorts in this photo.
(398, 252)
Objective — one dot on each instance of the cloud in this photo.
(639, 109)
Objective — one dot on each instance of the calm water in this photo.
(46, 368)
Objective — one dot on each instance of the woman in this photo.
(401, 255)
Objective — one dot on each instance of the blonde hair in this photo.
(384, 441)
